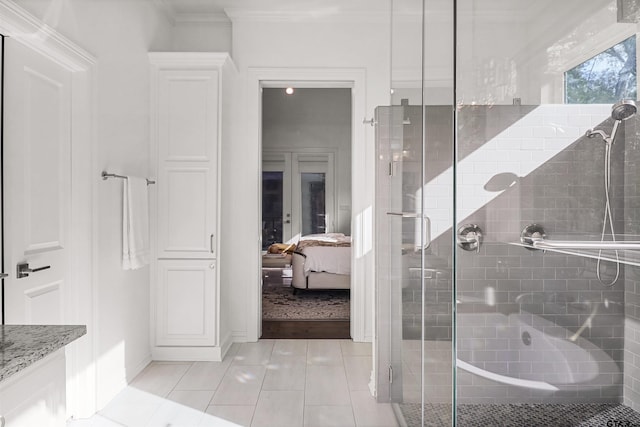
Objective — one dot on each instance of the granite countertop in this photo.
(23, 345)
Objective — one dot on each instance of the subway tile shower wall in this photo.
(558, 183)
(632, 274)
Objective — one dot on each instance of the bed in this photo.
(322, 261)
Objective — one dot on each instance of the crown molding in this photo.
(189, 59)
(17, 23)
(330, 14)
(202, 18)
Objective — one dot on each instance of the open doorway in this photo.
(306, 211)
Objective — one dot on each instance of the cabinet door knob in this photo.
(211, 266)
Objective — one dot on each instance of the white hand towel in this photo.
(135, 223)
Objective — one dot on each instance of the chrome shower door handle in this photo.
(23, 270)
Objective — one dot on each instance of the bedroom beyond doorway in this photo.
(306, 196)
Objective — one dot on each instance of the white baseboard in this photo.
(132, 373)
(227, 341)
(239, 336)
(187, 354)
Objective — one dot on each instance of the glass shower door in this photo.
(414, 263)
(415, 218)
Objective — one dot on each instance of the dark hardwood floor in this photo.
(301, 329)
(306, 329)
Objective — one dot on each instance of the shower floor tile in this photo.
(530, 415)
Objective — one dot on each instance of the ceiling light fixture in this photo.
(289, 91)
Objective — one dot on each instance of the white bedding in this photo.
(329, 259)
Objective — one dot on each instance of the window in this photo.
(606, 78)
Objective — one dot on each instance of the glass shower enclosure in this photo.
(508, 214)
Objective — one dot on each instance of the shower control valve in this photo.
(469, 237)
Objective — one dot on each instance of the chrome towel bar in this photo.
(106, 175)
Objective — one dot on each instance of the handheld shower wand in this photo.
(620, 111)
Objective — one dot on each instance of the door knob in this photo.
(23, 269)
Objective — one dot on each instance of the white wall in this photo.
(194, 36)
(270, 43)
(119, 35)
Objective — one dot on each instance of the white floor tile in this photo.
(160, 378)
(285, 373)
(203, 376)
(238, 414)
(289, 348)
(279, 408)
(358, 370)
(326, 385)
(329, 416)
(194, 399)
(254, 353)
(240, 386)
(350, 348)
(174, 414)
(94, 421)
(369, 413)
(324, 352)
(273, 383)
(132, 407)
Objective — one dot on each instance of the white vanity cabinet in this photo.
(188, 108)
(35, 397)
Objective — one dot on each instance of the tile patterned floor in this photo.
(271, 383)
(524, 414)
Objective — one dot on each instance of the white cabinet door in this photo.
(187, 134)
(186, 300)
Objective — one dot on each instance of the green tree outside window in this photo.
(606, 78)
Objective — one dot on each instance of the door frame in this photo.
(355, 79)
(20, 25)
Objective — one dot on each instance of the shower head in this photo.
(620, 111)
(623, 110)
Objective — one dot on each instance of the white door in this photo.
(37, 140)
(2, 274)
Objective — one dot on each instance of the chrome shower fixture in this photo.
(620, 111)
(623, 110)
